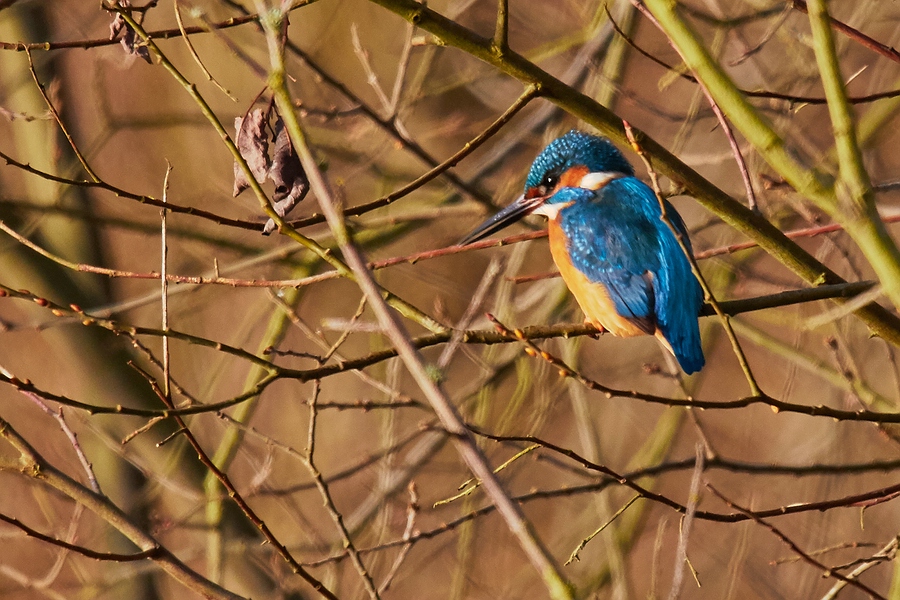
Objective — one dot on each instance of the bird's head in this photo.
(575, 160)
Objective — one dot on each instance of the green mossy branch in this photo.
(851, 202)
(880, 322)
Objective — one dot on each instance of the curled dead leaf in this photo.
(286, 172)
(253, 144)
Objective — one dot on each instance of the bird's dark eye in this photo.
(549, 182)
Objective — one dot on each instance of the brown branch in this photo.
(593, 488)
(149, 200)
(880, 321)
(797, 233)
(346, 473)
(469, 337)
(520, 528)
(107, 556)
(531, 92)
(328, 498)
(34, 465)
(387, 124)
(629, 480)
(388, 262)
(58, 119)
(763, 94)
(233, 493)
(161, 34)
(826, 572)
(855, 35)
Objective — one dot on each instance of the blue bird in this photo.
(617, 256)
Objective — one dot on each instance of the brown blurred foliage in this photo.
(375, 435)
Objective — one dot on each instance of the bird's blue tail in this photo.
(679, 298)
(688, 351)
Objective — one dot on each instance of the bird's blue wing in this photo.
(613, 246)
(617, 238)
(679, 298)
(678, 293)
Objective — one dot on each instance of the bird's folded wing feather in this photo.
(617, 248)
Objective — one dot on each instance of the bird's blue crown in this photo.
(574, 149)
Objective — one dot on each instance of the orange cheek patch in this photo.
(572, 177)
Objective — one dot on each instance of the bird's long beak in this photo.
(517, 209)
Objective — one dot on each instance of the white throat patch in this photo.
(595, 181)
(549, 210)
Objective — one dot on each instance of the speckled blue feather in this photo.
(576, 149)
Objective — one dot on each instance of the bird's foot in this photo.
(600, 329)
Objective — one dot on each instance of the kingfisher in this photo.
(616, 254)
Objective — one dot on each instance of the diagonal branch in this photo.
(35, 465)
(880, 321)
(858, 217)
(521, 529)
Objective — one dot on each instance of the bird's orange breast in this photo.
(592, 297)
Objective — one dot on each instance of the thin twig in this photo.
(471, 337)
(857, 212)
(886, 554)
(681, 557)
(59, 120)
(487, 280)
(193, 51)
(343, 337)
(32, 462)
(371, 77)
(412, 509)
(519, 527)
(64, 427)
(103, 556)
(695, 269)
(233, 493)
(854, 34)
(469, 486)
(402, 67)
(734, 213)
(826, 572)
(399, 304)
(530, 93)
(328, 500)
(762, 94)
(593, 488)
(164, 289)
(574, 557)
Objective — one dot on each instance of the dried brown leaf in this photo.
(253, 144)
(116, 26)
(130, 41)
(134, 45)
(291, 183)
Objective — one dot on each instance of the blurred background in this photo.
(382, 103)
